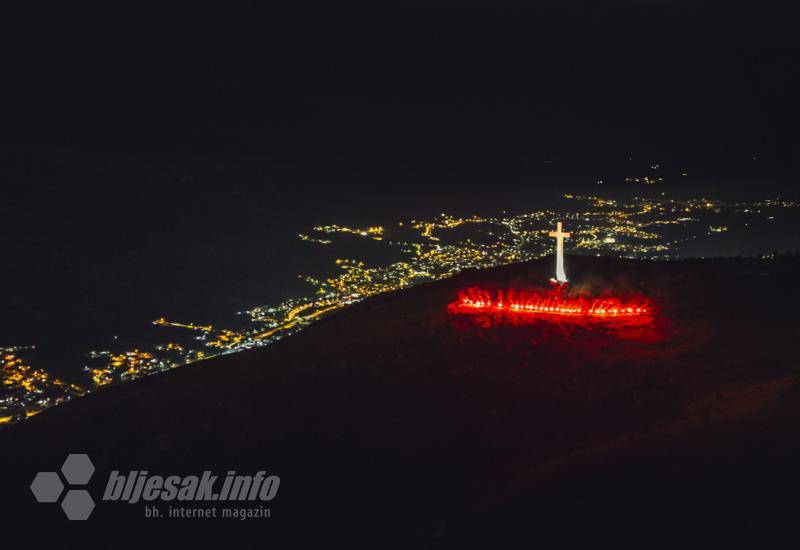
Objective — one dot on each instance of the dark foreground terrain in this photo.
(396, 424)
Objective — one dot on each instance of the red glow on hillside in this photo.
(549, 303)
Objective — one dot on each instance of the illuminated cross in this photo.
(560, 235)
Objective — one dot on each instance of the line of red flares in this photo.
(516, 302)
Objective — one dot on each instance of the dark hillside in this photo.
(396, 423)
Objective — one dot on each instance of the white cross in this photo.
(560, 235)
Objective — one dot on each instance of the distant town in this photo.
(431, 249)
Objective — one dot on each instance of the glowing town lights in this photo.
(29, 390)
(531, 303)
(653, 228)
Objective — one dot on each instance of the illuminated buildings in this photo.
(429, 250)
(26, 390)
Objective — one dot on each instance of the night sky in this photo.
(433, 87)
(153, 154)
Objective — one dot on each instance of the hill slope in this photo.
(395, 423)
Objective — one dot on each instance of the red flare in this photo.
(475, 300)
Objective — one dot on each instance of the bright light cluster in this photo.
(476, 300)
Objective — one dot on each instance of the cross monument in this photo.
(560, 235)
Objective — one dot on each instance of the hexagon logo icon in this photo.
(48, 487)
(78, 504)
(77, 469)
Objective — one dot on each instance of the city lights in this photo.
(429, 250)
